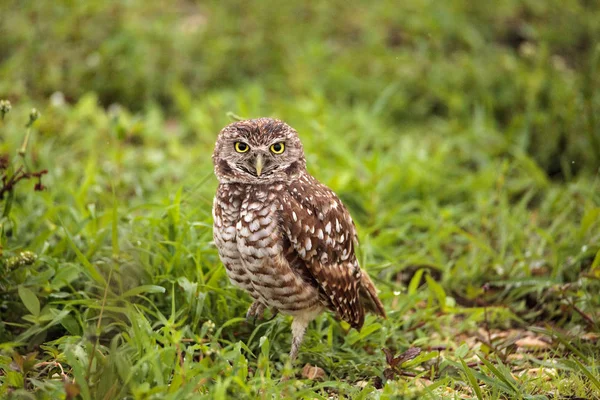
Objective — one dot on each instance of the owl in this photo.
(283, 236)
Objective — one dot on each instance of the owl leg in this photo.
(299, 325)
(255, 311)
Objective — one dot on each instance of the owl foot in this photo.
(256, 311)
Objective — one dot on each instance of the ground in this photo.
(463, 138)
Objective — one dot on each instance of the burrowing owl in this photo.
(283, 236)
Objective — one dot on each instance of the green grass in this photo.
(463, 139)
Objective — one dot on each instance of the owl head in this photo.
(258, 151)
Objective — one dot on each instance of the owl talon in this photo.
(274, 313)
(256, 311)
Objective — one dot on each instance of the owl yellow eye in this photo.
(241, 147)
(277, 148)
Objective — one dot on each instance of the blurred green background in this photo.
(529, 67)
(464, 138)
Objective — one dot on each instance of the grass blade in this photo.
(472, 380)
(89, 267)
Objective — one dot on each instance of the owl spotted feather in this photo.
(284, 237)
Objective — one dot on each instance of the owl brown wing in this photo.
(320, 245)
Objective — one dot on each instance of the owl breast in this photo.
(251, 246)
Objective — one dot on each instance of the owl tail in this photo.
(368, 296)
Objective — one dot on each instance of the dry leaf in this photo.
(422, 383)
(532, 343)
(389, 356)
(313, 372)
(516, 357)
(545, 373)
(590, 337)
(408, 355)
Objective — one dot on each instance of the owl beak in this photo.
(259, 164)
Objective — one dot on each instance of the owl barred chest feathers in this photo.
(283, 236)
(255, 256)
